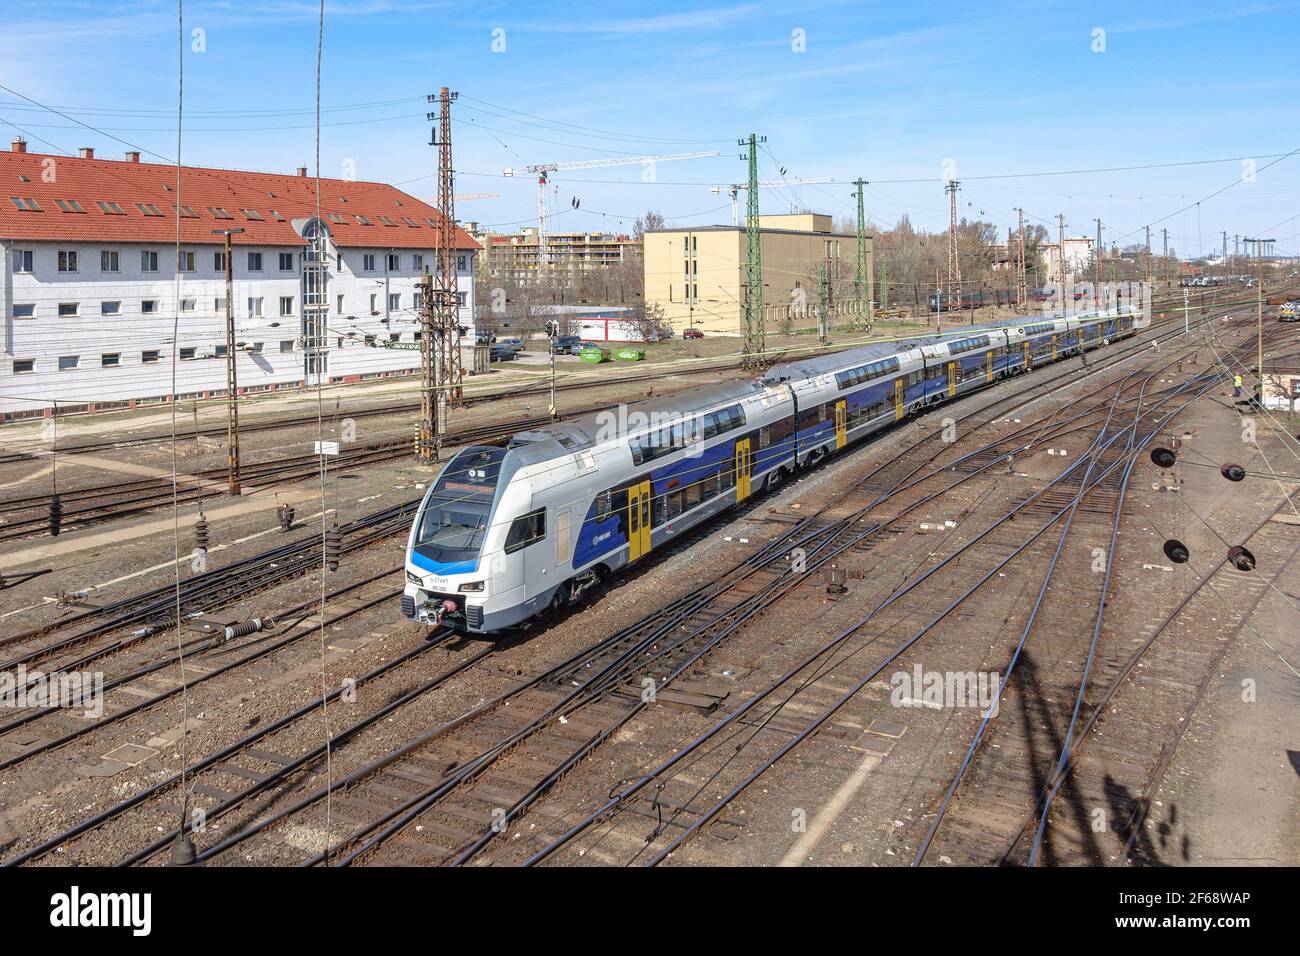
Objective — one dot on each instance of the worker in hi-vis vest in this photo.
(1236, 386)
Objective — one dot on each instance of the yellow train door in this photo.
(988, 366)
(900, 392)
(744, 467)
(952, 379)
(1053, 348)
(841, 423)
(638, 520)
(1029, 354)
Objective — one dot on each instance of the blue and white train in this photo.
(506, 533)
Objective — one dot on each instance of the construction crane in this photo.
(734, 189)
(543, 170)
(470, 197)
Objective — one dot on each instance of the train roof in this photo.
(814, 365)
(584, 431)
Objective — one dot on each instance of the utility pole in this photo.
(232, 381)
(863, 284)
(1060, 257)
(1151, 278)
(1096, 269)
(954, 264)
(884, 285)
(1225, 250)
(755, 333)
(1022, 270)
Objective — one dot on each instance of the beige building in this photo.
(697, 275)
(1078, 258)
(515, 255)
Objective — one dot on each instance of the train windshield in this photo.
(455, 518)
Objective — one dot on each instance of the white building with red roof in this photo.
(91, 286)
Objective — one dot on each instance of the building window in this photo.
(148, 261)
(286, 345)
(221, 351)
(257, 348)
(110, 308)
(69, 309)
(68, 362)
(394, 262)
(416, 299)
(286, 262)
(460, 263)
(185, 261)
(219, 306)
(368, 262)
(148, 306)
(218, 262)
(417, 262)
(24, 310)
(187, 305)
(22, 260)
(23, 366)
(394, 301)
(460, 298)
(149, 357)
(110, 360)
(187, 355)
(254, 262)
(339, 310)
(109, 261)
(374, 303)
(395, 337)
(255, 307)
(67, 260)
(286, 305)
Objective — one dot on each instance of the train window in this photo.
(525, 530)
(656, 512)
(693, 493)
(727, 478)
(764, 437)
(821, 412)
(634, 520)
(604, 505)
(674, 503)
(710, 425)
(709, 487)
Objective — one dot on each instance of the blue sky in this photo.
(888, 92)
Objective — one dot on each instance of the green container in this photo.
(629, 355)
(595, 356)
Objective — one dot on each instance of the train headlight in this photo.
(414, 578)
(472, 586)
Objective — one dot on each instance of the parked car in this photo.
(502, 352)
(514, 343)
(578, 346)
(563, 344)
(692, 334)
(484, 338)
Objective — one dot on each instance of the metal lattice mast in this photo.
(755, 334)
(446, 280)
(1060, 255)
(1096, 269)
(954, 265)
(1022, 270)
(862, 287)
(884, 285)
(822, 331)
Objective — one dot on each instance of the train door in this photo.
(841, 423)
(1053, 348)
(744, 468)
(1029, 354)
(953, 377)
(900, 392)
(638, 520)
(988, 366)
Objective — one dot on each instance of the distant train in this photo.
(506, 533)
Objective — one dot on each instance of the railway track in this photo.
(453, 799)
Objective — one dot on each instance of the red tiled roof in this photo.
(124, 183)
